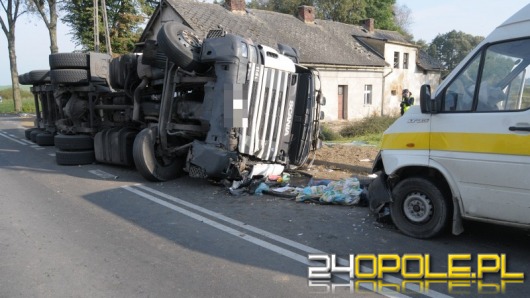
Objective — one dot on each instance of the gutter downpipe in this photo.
(383, 91)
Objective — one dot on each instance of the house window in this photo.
(367, 94)
(405, 60)
(396, 59)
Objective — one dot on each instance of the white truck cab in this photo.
(464, 153)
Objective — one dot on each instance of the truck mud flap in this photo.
(114, 146)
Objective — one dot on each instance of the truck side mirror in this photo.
(322, 100)
(426, 102)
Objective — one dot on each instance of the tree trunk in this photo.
(17, 100)
(52, 27)
(54, 48)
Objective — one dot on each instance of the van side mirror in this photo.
(427, 104)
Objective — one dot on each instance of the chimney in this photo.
(306, 14)
(369, 25)
(235, 5)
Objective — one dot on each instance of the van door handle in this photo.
(519, 128)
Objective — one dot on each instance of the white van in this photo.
(464, 153)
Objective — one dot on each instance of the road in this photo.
(103, 231)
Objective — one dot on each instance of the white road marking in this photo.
(294, 244)
(12, 139)
(103, 174)
(28, 142)
(264, 244)
(52, 154)
(37, 147)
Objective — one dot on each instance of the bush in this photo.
(328, 134)
(368, 126)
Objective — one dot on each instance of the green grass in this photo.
(7, 106)
(368, 130)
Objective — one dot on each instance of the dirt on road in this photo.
(338, 161)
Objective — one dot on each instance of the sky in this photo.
(429, 18)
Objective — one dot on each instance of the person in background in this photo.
(406, 101)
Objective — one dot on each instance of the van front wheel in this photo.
(419, 208)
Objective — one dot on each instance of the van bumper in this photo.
(379, 193)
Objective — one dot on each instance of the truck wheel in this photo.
(44, 139)
(181, 45)
(28, 131)
(74, 142)
(68, 61)
(74, 158)
(39, 77)
(33, 134)
(69, 76)
(150, 165)
(419, 208)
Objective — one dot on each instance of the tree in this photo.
(403, 20)
(344, 11)
(124, 18)
(450, 48)
(382, 11)
(48, 11)
(13, 11)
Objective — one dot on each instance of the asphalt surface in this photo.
(103, 231)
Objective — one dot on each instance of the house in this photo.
(363, 70)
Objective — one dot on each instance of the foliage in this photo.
(124, 18)
(450, 48)
(367, 126)
(369, 130)
(383, 13)
(344, 11)
(328, 134)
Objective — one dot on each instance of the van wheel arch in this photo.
(437, 177)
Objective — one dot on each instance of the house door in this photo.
(342, 104)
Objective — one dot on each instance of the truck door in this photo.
(482, 134)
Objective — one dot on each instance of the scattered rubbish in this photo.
(365, 160)
(261, 188)
(349, 191)
(342, 192)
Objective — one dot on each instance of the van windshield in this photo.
(503, 85)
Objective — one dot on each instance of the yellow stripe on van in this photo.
(481, 143)
(406, 141)
(461, 142)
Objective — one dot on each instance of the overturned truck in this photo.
(222, 107)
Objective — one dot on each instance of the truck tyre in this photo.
(38, 77)
(181, 46)
(44, 139)
(150, 165)
(68, 61)
(69, 76)
(28, 131)
(74, 158)
(33, 134)
(419, 208)
(74, 142)
(23, 79)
